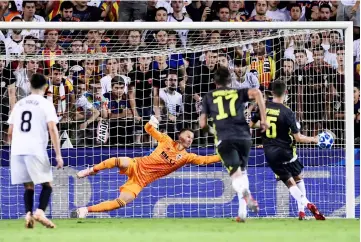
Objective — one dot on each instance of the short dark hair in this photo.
(57, 67)
(357, 85)
(172, 32)
(133, 30)
(222, 54)
(17, 17)
(318, 48)
(300, 51)
(110, 59)
(240, 62)
(161, 8)
(75, 40)
(222, 76)
(37, 81)
(66, 5)
(25, 2)
(288, 59)
(294, 5)
(117, 80)
(161, 30)
(223, 6)
(278, 88)
(212, 51)
(325, 5)
(29, 37)
(172, 72)
(338, 47)
(335, 32)
(184, 130)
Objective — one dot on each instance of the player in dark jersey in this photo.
(232, 134)
(280, 151)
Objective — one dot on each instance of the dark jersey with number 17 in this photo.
(282, 125)
(226, 107)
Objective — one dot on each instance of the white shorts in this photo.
(30, 168)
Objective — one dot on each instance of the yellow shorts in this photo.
(132, 185)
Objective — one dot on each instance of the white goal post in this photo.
(294, 26)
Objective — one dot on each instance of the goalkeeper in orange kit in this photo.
(169, 156)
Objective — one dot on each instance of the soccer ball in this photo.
(325, 140)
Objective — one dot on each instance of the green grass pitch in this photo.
(183, 230)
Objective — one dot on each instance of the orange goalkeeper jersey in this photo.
(166, 158)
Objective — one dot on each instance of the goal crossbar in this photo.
(174, 25)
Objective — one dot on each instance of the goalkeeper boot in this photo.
(301, 216)
(40, 217)
(314, 210)
(252, 204)
(86, 172)
(29, 221)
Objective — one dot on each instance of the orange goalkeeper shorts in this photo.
(132, 185)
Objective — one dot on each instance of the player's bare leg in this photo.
(120, 162)
(301, 198)
(240, 184)
(121, 201)
(301, 185)
(39, 214)
(29, 203)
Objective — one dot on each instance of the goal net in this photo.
(105, 84)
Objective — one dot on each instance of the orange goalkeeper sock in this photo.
(108, 164)
(107, 206)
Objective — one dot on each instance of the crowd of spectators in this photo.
(100, 96)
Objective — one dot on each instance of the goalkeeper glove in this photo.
(154, 121)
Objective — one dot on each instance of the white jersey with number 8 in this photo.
(30, 118)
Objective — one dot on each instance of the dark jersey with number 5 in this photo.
(282, 125)
(226, 107)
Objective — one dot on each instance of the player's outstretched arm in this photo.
(150, 128)
(305, 139)
(203, 121)
(54, 135)
(255, 94)
(203, 160)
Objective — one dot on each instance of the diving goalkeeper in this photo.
(169, 156)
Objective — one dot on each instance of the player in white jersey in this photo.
(31, 121)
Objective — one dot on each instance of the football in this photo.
(325, 140)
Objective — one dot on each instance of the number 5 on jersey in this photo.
(271, 132)
(232, 106)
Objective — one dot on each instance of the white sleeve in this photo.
(126, 80)
(162, 95)
(83, 103)
(181, 108)
(12, 114)
(289, 53)
(356, 49)
(88, 105)
(253, 12)
(50, 113)
(2, 36)
(41, 32)
(106, 85)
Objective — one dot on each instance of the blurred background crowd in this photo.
(103, 98)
